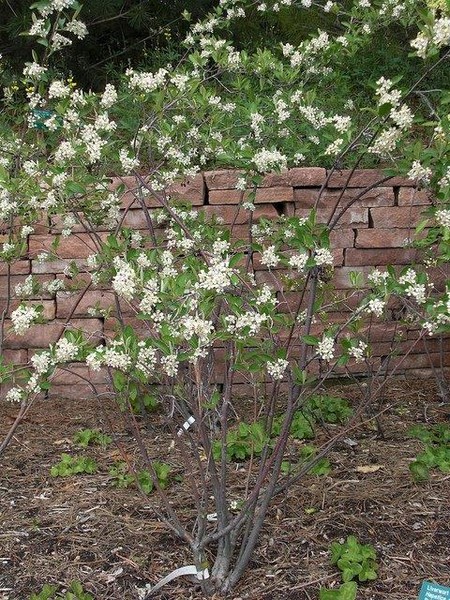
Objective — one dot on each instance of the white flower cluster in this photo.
(249, 321)
(195, 325)
(25, 289)
(298, 261)
(419, 173)
(41, 362)
(109, 96)
(146, 359)
(325, 348)
(146, 81)
(34, 70)
(65, 351)
(438, 35)
(269, 160)
(129, 163)
(78, 28)
(375, 306)
(378, 277)
(150, 296)
(265, 296)
(413, 289)
(359, 352)
(170, 364)
(276, 369)
(443, 217)
(216, 278)
(15, 394)
(269, 257)
(323, 256)
(124, 282)
(23, 317)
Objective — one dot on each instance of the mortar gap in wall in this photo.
(355, 236)
(206, 196)
(396, 193)
(370, 220)
(279, 207)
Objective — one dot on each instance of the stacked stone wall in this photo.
(374, 232)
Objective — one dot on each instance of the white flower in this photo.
(298, 261)
(15, 394)
(109, 97)
(23, 317)
(169, 364)
(375, 307)
(277, 368)
(128, 163)
(65, 351)
(269, 160)
(323, 256)
(41, 362)
(78, 28)
(124, 282)
(443, 217)
(359, 352)
(58, 89)
(150, 297)
(269, 257)
(34, 70)
(378, 277)
(419, 173)
(25, 289)
(325, 348)
(216, 278)
(146, 359)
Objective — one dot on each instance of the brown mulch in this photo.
(57, 530)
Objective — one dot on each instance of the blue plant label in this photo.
(434, 591)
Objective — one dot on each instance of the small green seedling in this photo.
(355, 560)
(123, 479)
(347, 591)
(73, 465)
(243, 441)
(328, 409)
(437, 451)
(75, 592)
(308, 452)
(85, 437)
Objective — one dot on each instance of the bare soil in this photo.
(57, 530)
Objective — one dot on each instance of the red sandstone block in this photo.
(263, 195)
(15, 357)
(362, 178)
(191, 190)
(19, 267)
(78, 391)
(381, 196)
(356, 257)
(77, 245)
(40, 336)
(383, 238)
(80, 302)
(354, 217)
(73, 373)
(223, 179)
(413, 197)
(341, 276)
(342, 238)
(396, 216)
(55, 266)
(227, 179)
(307, 176)
(419, 361)
(134, 219)
(237, 215)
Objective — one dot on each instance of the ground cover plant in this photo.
(192, 284)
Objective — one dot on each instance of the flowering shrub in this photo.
(193, 287)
